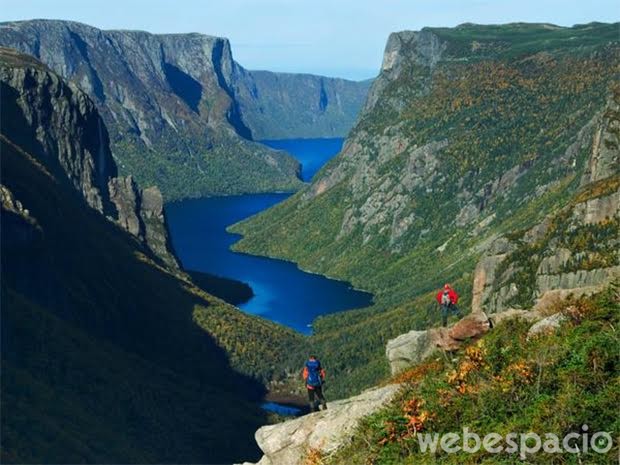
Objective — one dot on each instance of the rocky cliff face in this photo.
(168, 104)
(286, 105)
(59, 124)
(38, 108)
(403, 50)
(573, 251)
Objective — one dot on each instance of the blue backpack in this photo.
(314, 373)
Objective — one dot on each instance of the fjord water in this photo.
(282, 292)
(312, 153)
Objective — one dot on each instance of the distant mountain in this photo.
(167, 102)
(181, 113)
(286, 105)
(468, 134)
(110, 354)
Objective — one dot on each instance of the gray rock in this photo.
(155, 230)
(125, 195)
(484, 278)
(546, 325)
(538, 231)
(288, 443)
(576, 279)
(597, 210)
(11, 204)
(605, 156)
(514, 314)
(553, 264)
(421, 47)
(43, 109)
(409, 349)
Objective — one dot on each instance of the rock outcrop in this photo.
(155, 231)
(39, 110)
(11, 204)
(546, 325)
(413, 347)
(141, 212)
(403, 50)
(61, 127)
(290, 442)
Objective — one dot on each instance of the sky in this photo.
(342, 38)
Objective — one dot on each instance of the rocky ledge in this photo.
(290, 442)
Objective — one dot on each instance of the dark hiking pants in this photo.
(446, 310)
(314, 396)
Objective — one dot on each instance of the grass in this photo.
(506, 382)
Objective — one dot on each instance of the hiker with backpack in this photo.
(447, 298)
(314, 376)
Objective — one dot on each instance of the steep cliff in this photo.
(572, 251)
(108, 355)
(467, 134)
(182, 113)
(60, 126)
(167, 101)
(287, 105)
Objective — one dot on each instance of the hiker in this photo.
(314, 376)
(447, 298)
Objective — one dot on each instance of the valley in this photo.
(281, 292)
(179, 233)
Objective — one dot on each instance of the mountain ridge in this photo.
(169, 103)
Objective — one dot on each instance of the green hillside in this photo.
(468, 133)
(506, 383)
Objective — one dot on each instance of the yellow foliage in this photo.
(314, 457)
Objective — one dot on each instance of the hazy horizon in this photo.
(343, 40)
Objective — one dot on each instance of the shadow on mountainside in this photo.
(102, 359)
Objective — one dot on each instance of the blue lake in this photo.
(282, 292)
(312, 153)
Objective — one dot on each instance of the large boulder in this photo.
(472, 326)
(514, 314)
(413, 347)
(288, 443)
(546, 325)
(408, 349)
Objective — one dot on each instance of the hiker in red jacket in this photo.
(447, 298)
